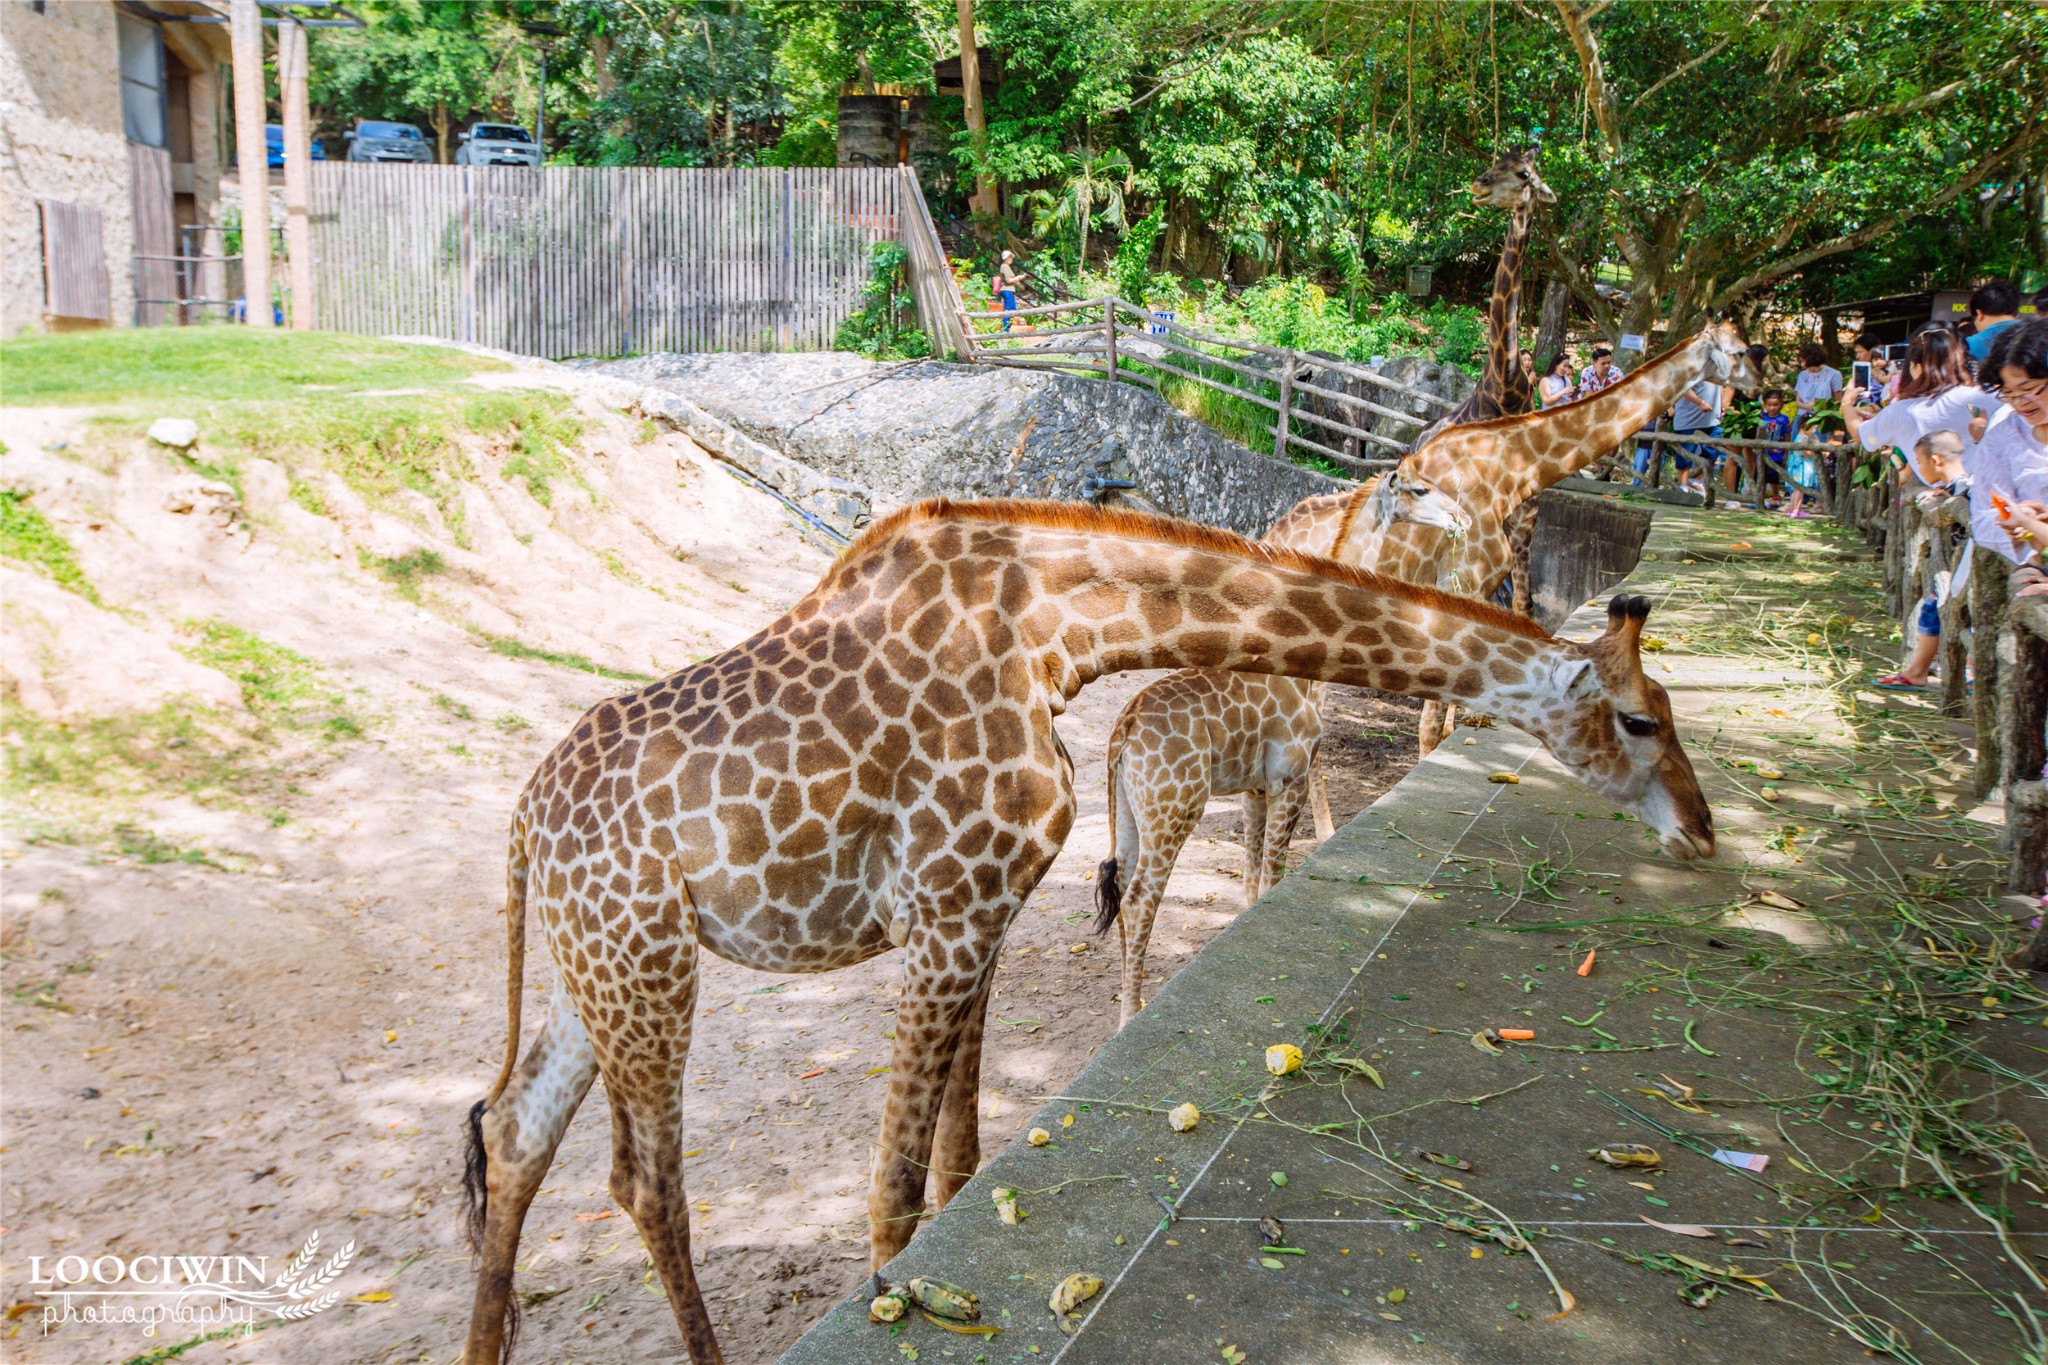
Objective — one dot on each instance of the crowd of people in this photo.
(1964, 412)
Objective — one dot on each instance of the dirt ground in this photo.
(277, 1025)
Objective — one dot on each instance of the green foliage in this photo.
(431, 61)
(875, 331)
(1133, 270)
(27, 537)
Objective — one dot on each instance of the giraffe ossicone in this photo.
(887, 747)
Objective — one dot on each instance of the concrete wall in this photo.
(62, 137)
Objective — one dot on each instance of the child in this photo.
(1774, 425)
(1938, 465)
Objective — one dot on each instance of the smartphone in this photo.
(1859, 376)
(1897, 350)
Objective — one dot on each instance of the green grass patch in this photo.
(404, 572)
(280, 686)
(541, 428)
(27, 536)
(217, 364)
(518, 649)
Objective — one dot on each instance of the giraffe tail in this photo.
(1109, 892)
(476, 1161)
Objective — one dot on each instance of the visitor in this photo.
(1003, 284)
(1602, 373)
(1528, 363)
(1698, 410)
(1937, 467)
(1556, 385)
(1993, 308)
(2010, 462)
(1774, 424)
(1817, 382)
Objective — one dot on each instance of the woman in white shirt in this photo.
(1816, 382)
(2013, 453)
(1936, 395)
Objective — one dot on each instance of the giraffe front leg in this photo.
(1283, 812)
(930, 1020)
(956, 1154)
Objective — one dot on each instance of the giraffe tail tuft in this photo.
(476, 1191)
(1109, 895)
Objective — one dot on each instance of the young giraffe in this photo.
(1496, 468)
(1202, 732)
(879, 767)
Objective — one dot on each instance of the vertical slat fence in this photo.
(602, 261)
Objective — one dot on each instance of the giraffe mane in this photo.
(1524, 418)
(1354, 502)
(1104, 521)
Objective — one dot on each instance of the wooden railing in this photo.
(2022, 709)
(1303, 402)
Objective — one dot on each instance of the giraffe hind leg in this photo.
(512, 1145)
(1283, 812)
(643, 1064)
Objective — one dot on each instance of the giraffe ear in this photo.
(1578, 680)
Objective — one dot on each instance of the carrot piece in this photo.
(1516, 1035)
(808, 1074)
(1586, 967)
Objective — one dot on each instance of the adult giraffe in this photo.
(1496, 468)
(879, 767)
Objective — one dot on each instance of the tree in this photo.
(430, 59)
(1094, 187)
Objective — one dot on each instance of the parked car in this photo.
(497, 144)
(370, 140)
(273, 142)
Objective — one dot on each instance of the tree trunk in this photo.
(984, 200)
(441, 130)
(1552, 321)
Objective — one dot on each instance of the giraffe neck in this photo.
(1504, 311)
(1148, 604)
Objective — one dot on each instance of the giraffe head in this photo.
(1405, 496)
(1612, 727)
(1728, 358)
(1511, 182)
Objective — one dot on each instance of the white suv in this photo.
(497, 144)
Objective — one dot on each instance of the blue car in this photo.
(273, 143)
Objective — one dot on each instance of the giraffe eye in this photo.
(1641, 726)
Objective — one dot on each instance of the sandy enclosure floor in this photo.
(206, 1060)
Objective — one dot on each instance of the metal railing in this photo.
(1347, 415)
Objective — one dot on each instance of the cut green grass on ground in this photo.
(404, 572)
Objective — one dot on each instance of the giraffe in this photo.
(1202, 732)
(879, 768)
(1495, 468)
(1503, 390)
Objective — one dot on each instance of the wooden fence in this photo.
(1342, 413)
(600, 261)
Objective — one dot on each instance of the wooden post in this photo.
(1987, 621)
(252, 159)
(298, 170)
(2023, 715)
(1109, 335)
(1286, 402)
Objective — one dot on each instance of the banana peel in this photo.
(1070, 1294)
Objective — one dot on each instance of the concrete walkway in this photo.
(1457, 904)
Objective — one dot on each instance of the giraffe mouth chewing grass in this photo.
(885, 752)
